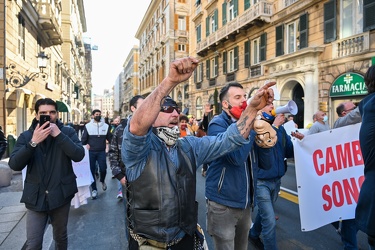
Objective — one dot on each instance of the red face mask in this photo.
(237, 111)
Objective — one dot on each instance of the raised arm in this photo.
(180, 70)
(263, 96)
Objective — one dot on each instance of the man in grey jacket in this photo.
(50, 184)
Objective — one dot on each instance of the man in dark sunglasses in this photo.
(161, 168)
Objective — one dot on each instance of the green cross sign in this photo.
(348, 84)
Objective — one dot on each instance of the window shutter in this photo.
(247, 54)
(187, 23)
(303, 31)
(224, 13)
(224, 62)
(235, 9)
(175, 21)
(208, 69)
(247, 4)
(330, 21)
(216, 65)
(236, 58)
(263, 47)
(280, 40)
(198, 33)
(216, 14)
(201, 71)
(207, 26)
(368, 15)
(195, 76)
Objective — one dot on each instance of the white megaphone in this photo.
(290, 107)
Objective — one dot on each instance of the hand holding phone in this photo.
(43, 119)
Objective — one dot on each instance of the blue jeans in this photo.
(349, 234)
(36, 223)
(100, 157)
(228, 227)
(265, 224)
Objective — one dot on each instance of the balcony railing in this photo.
(261, 10)
(181, 33)
(351, 45)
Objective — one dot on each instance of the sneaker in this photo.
(119, 195)
(94, 194)
(104, 186)
(256, 242)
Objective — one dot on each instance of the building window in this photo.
(181, 47)
(230, 60)
(351, 18)
(181, 23)
(198, 32)
(229, 12)
(21, 36)
(212, 67)
(198, 73)
(211, 23)
(292, 36)
(255, 49)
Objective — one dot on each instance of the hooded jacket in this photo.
(50, 181)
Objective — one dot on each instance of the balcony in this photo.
(351, 45)
(181, 33)
(49, 21)
(258, 13)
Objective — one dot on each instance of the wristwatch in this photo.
(33, 144)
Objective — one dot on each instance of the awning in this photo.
(63, 107)
(76, 111)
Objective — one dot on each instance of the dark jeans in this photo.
(36, 223)
(100, 157)
(187, 243)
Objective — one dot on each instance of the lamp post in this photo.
(18, 80)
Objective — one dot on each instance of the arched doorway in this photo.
(298, 95)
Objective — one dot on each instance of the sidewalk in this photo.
(12, 215)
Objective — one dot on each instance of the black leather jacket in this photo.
(50, 181)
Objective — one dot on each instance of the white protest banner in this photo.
(82, 170)
(329, 170)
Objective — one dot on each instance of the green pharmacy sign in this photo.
(348, 84)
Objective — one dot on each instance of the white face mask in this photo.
(168, 135)
(325, 118)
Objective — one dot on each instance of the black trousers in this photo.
(187, 243)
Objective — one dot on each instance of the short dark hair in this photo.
(339, 109)
(370, 79)
(96, 110)
(225, 89)
(134, 100)
(183, 117)
(45, 101)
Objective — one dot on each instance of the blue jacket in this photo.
(229, 178)
(365, 210)
(273, 165)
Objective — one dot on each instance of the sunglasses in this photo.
(169, 109)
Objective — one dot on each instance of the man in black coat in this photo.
(50, 184)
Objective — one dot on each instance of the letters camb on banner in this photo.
(329, 171)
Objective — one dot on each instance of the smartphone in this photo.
(43, 119)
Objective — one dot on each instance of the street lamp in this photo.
(19, 80)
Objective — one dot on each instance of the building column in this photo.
(311, 96)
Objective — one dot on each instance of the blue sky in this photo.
(112, 25)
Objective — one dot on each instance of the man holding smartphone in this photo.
(50, 183)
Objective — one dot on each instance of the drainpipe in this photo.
(4, 72)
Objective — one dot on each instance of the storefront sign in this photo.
(349, 84)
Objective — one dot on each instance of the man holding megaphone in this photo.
(268, 182)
